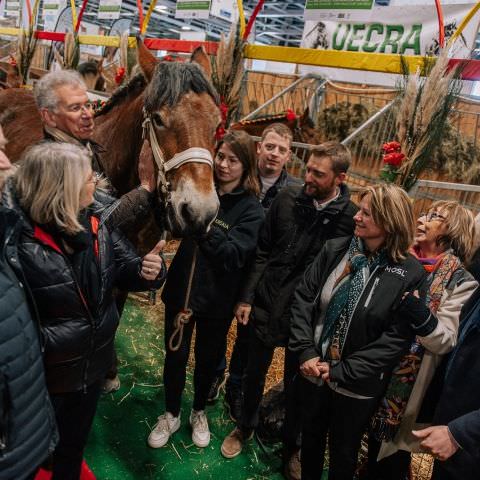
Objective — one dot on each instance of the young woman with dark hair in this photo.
(219, 260)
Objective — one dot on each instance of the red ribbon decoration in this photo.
(441, 26)
(290, 115)
(80, 15)
(219, 134)
(120, 75)
(252, 18)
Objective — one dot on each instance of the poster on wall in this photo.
(394, 27)
(109, 9)
(192, 9)
(12, 9)
(333, 9)
(50, 12)
(226, 9)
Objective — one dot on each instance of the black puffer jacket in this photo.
(224, 254)
(378, 334)
(27, 423)
(77, 340)
(293, 233)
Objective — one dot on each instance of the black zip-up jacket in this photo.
(378, 334)
(284, 180)
(77, 341)
(27, 422)
(293, 234)
(223, 256)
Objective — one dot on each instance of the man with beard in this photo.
(297, 225)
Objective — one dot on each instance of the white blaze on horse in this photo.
(176, 106)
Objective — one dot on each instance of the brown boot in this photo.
(233, 443)
(293, 467)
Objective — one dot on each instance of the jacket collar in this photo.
(333, 208)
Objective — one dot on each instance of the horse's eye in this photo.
(157, 120)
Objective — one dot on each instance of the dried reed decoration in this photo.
(26, 45)
(426, 101)
(228, 71)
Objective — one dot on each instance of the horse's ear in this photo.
(146, 60)
(200, 57)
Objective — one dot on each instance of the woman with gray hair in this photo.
(70, 263)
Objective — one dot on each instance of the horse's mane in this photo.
(135, 85)
(171, 80)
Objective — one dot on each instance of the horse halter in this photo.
(190, 155)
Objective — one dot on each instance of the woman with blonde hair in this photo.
(70, 263)
(443, 242)
(348, 327)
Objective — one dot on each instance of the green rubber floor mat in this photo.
(117, 447)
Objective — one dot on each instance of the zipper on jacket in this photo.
(358, 300)
(370, 295)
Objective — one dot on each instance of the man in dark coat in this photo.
(298, 223)
(273, 152)
(67, 116)
(454, 439)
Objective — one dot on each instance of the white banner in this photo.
(50, 12)
(192, 9)
(226, 9)
(406, 30)
(12, 8)
(109, 9)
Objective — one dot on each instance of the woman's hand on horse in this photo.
(242, 312)
(146, 170)
(152, 262)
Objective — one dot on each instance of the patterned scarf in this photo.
(345, 295)
(386, 421)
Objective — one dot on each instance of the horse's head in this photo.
(92, 73)
(181, 115)
(305, 130)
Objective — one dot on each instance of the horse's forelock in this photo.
(171, 80)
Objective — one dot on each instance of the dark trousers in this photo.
(393, 467)
(344, 419)
(209, 341)
(259, 360)
(74, 413)
(238, 360)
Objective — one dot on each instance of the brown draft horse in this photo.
(302, 127)
(182, 108)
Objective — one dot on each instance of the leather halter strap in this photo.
(190, 155)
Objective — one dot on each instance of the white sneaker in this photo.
(200, 430)
(167, 425)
